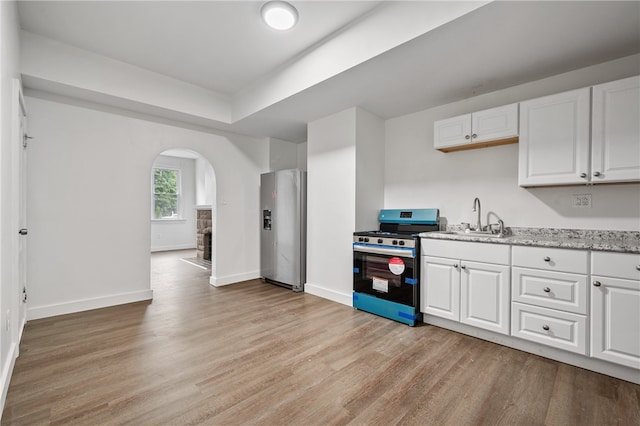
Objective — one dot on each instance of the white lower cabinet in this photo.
(485, 296)
(545, 300)
(551, 327)
(464, 289)
(441, 297)
(615, 308)
(549, 290)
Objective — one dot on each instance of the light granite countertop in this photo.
(579, 239)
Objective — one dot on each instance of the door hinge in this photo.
(24, 295)
(25, 139)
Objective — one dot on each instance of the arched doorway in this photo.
(183, 194)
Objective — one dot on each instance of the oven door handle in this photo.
(400, 252)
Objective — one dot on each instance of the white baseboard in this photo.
(327, 293)
(232, 279)
(173, 247)
(88, 304)
(7, 371)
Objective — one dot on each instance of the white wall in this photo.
(419, 176)
(205, 183)
(283, 155)
(89, 202)
(344, 151)
(9, 69)
(331, 203)
(180, 233)
(302, 156)
(370, 151)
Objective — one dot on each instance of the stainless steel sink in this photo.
(486, 234)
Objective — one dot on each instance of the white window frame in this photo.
(178, 216)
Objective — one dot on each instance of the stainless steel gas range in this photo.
(386, 264)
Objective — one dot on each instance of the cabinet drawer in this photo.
(554, 290)
(551, 259)
(550, 327)
(617, 265)
(473, 252)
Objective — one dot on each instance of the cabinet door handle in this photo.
(547, 290)
(637, 267)
(597, 283)
(545, 327)
(474, 136)
(467, 137)
(463, 267)
(547, 259)
(455, 265)
(583, 175)
(596, 174)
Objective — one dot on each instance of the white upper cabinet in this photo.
(490, 127)
(554, 139)
(453, 131)
(559, 134)
(616, 131)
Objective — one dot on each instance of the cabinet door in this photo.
(440, 287)
(554, 139)
(615, 320)
(485, 296)
(495, 123)
(616, 131)
(452, 131)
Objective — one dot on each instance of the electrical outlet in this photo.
(581, 201)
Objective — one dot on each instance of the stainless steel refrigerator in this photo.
(283, 234)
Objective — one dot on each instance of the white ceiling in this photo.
(224, 47)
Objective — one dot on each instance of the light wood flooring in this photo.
(254, 353)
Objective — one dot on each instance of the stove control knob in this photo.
(395, 242)
(366, 240)
(379, 240)
(360, 239)
(401, 242)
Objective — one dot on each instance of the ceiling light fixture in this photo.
(279, 15)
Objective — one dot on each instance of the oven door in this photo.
(388, 273)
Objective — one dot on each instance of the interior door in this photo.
(22, 142)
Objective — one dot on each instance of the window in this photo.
(166, 194)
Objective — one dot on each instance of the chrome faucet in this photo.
(478, 224)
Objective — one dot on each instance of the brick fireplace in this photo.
(204, 229)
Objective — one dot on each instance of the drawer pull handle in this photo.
(545, 327)
(547, 289)
(547, 259)
(597, 283)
